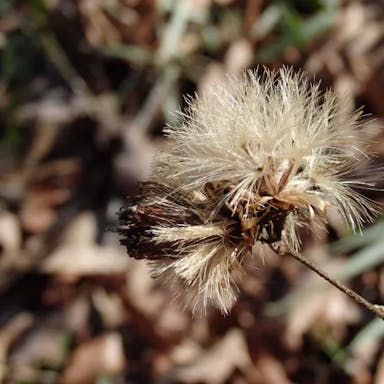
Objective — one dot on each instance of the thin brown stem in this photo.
(378, 310)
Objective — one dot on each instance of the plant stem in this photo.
(378, 310)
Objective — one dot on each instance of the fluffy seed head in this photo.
(250, 162)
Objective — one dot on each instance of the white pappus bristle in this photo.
(253, 160)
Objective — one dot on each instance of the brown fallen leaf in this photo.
(11, 332)
(108, 22)
(272, 371)
(45, 343)
(215, 365)
(110, 307)
(102, 355)
(85, 259)
(314, 302)
(47, 186)
(379, 377)
(78, 254)
(37, 212)
(10, 237)
(141, 290)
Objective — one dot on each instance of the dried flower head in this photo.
(250, 162)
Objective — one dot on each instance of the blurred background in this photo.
(86, 87)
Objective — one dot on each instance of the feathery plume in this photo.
(250, 162)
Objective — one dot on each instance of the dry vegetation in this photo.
(86, 87)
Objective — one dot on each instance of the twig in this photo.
(374, 308)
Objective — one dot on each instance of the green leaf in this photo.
(372, 331)
(131, 53)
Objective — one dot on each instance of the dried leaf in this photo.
(215, 365)
(102, 355)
